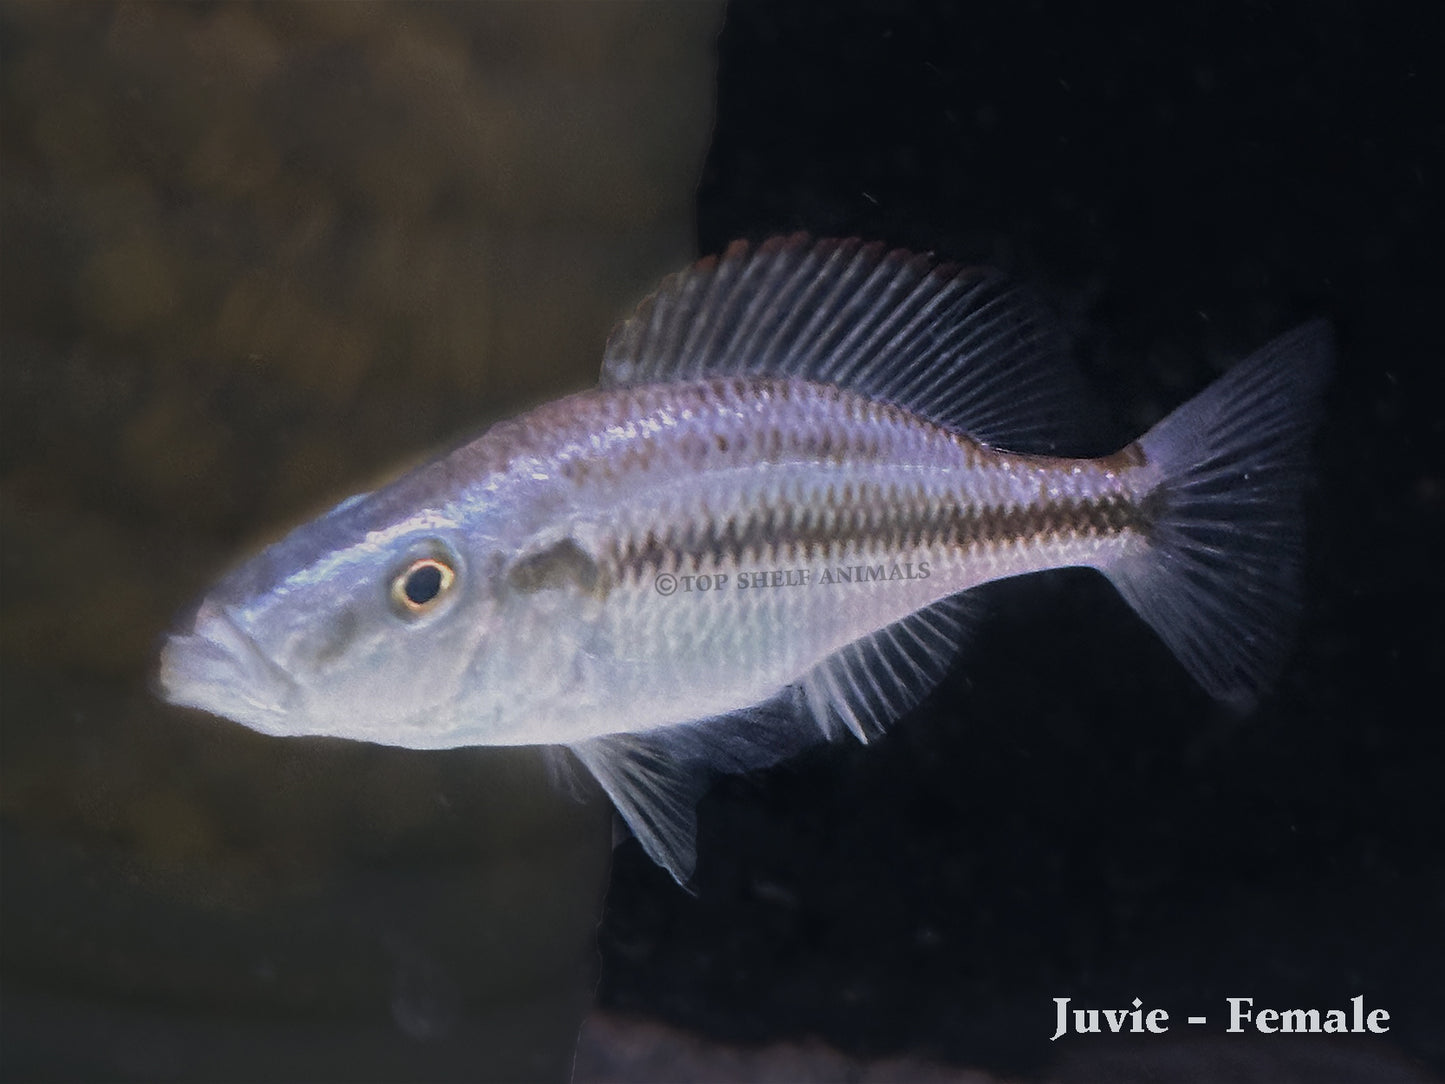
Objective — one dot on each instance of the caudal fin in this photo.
(1220, 580)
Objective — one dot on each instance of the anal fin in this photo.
(873, 681)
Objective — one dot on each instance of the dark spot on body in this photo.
(563, 564)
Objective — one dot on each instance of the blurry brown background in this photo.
(255, 256)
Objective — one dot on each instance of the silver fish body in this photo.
(758, 534)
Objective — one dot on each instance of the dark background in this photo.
(1068, 815)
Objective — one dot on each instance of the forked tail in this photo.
(1220, 580)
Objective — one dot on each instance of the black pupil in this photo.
(423, 584)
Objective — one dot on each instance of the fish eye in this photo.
(421, 585)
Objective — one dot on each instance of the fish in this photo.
(759, 532)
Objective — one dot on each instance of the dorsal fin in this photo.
(958, 346)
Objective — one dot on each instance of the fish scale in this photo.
(760, 532)
(687, 506)
(965, 499)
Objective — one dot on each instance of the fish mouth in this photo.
(216, 667)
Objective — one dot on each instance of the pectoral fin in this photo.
(656, 778)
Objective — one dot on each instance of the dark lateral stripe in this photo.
(788, 533)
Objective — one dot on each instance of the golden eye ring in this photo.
(421, 585)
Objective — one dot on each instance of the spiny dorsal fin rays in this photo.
(955, 345)
(793, 270)
(851, 311)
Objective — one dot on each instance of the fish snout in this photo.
(210, 662)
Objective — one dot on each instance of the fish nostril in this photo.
(209, 615)
(212, 621)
